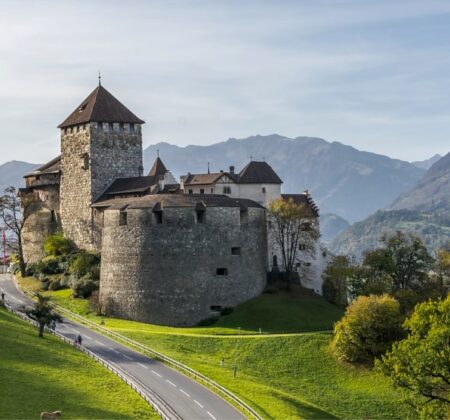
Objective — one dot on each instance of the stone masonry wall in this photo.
(92, 156)
(166, 273)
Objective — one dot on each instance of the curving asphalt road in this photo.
(187, 398)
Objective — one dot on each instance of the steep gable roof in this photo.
(158, 168)
(258, 173)
(51, 167)
(100, 106)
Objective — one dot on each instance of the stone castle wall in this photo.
(167, 273)
(92, 156)
(44, 221)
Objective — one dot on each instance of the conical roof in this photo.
(158, 168)
(100, 106)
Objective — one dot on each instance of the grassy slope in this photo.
(47, 374)
(283, 376)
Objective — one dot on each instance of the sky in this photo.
(371, 74)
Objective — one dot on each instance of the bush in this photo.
(54, 285)
(369, 327)
(49, 265)
(32, 270)
(85, 263)
(84, 287)
(57, 244)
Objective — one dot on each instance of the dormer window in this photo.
(82, 107)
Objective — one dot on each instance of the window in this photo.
(243, 216)
(201, 216)
(82, 107)
(263, 189)
(110, 127)
(236, 250)
(301, 247)
(222, 272)
(227, 190)
(190, 191)
(100, 126)
(85, 161)
(212, 190)
(158, 217)
(215, 308)
(120, 127)
(131, 128)
(52, 216)
(123, 218)
(307, 264)
(202, 191)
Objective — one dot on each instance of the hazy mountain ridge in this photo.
(11, 173)
(342, 179)
(424, 210)
(427, 163)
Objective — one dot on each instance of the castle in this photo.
(172, 253)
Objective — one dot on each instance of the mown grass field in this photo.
(46, 375)
(283, 376)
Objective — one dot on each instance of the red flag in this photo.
(4, 248)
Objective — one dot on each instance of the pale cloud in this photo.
(366, 73)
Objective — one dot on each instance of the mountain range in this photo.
(424, 210)
(342, 180)
(11, 173)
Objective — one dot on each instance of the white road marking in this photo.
(156, 373)
(145, 367)
(115, 351)
(196, 402)
(185, 393)
(89, 338)
(171, 383)
(127, 357)
(210, 415)
(98, 342)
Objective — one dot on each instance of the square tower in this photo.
(100, 141)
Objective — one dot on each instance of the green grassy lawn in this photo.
(46, 375)
(281, 375)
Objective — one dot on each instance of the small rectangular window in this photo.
(222, 272)
(121, 128)
(190, 191)
(132, 128)
(158, 217)
(227, 190)
(301, 247)
(236, 250)
(212, 190)
(201, 216)
(215, 308)
(243, 216)
(123, 218)
(263, 190)
(202, 191)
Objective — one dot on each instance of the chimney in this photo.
(231, 169)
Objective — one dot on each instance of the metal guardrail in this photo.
(159, 405)
(171, 362)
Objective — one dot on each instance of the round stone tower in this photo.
(176, 259)
(100, 141)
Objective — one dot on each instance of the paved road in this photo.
(187, 398)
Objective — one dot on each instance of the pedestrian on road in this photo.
(79, 339)
(3, 296)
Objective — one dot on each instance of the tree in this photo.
(442, 269)
(14, 211)
(336, 279)
(291, 224)
(369, 327)
(42, 313)
(421, 362)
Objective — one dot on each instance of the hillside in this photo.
(11, 173)
(47, 375)
(281, 375)
(427, 163)
(342, 179)
(424, 210)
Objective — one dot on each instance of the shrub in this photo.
(57, 244)
(84, 287)
(32, 269)
(49, 265)
(54, 285)
(369, 327)
(85, 263)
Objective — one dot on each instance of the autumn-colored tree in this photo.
(421, 362)
(291, 224)
(14, 211)
(369, 327)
